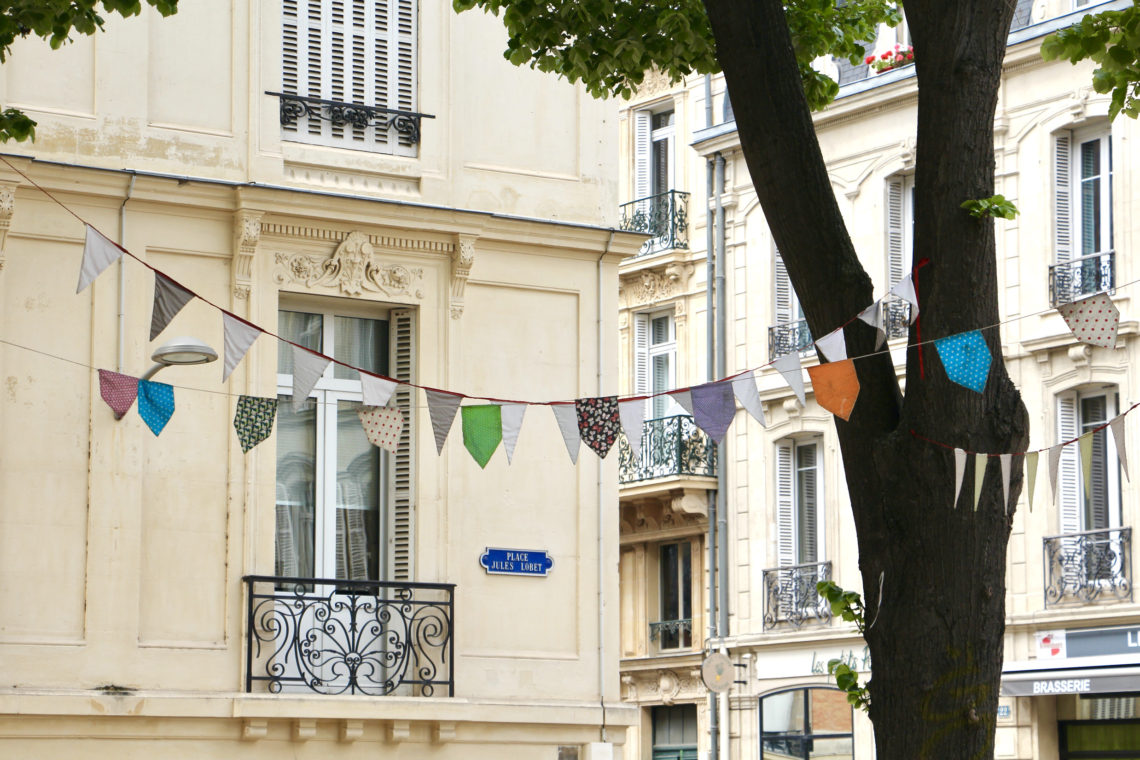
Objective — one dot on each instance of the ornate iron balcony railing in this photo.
(349, 637)
(673, 634)
(1073, 280)
(788, 337)
(1088, 567)
(896, 318)
(669, 446)
(353, 115)
(790, 595)
(665, 216)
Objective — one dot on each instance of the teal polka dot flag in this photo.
(156, 404)
(966, 358)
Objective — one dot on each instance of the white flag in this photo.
(98, 254)
(904, 289)
(512, 417)
(833, 346)
(239, 336)
(873, 315)
(980, 462)
(632, 414)
(307, 370)
(749, 397)
(1117, 428)
(1054, 462)
(789, 366)
(685, 400)
(959, 473)
(567, 416)
(377, 391)
(442, 407)
(1006, 461)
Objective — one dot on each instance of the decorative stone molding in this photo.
(304, 730)
(461, 260)
(648, 286)
(399, 731)
(443, 732)
(907, 153)
(680, 509)
(352, 268)
(7, 209)
(654, 83)
(691, 502)
(662, 686)
(351, 730)
(253, 729)
(247, 235)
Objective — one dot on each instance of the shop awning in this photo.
(1046, 681)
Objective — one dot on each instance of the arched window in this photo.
(806, 724)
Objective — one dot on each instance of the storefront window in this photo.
(1108, 728)
(806, 724)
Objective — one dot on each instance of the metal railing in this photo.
(669, 446)
(1084, 276)
(896, 318)
(674, 634)
(665, 216)
(789, 337)
(790, 595)
(349, 637)
(1091, 566)
(356, 116)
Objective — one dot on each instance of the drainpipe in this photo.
(601, 522)
(708, 101)
(123, 277)
(722, 465)
(710, 332)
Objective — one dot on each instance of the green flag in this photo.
(482, 430)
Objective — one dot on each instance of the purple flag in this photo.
(714, 407)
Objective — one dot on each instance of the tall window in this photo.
(900, 226)
(360, 52)
(343, 506)
(675, 732)
(1083, 225)
(676, 586)
(799, 502)
(655, 360)
(653, 153)
(1096, 507)
(808, 724)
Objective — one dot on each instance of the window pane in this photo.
(1090, 197)
(659, 331)
(362, 343)
(806, 503)
(1096, 501)
(830, 712)
(661, 380)
(663, 119)
(301, 328)
(831, 749)
(357, 498)
(669, 597)
(296, 488)
(783, 713)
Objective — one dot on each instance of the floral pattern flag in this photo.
(253, 420)
(598, 422)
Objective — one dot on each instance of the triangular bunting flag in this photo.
(169, 298)
(98, 254)
(377, 391)
(789, 366)
(1085, 445)
(239, 335)
(980, 461)
(714, 407)
(1031, 474)
(1006, 460)
(873, 315)
(253, 420)
(836, 387)
(1054, 462)
(118, 391)
(684, 399)
(307, 371)
(482, 431)
(959, 473)
(904, 289)
(567, 416)
(748, 395)
(598, 422)
(512, 415)
(1093, 320)
(382, 425)
(1117, 428)
(632, 415)
(833, 346)
(441, 408)
(156, 404)
(966, 358)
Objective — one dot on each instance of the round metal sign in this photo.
(716, 672)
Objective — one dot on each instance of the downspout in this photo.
(708, 101)
(123, 277)
(601, 522)
(710, 333)
(722, 465)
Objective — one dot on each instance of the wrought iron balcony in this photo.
(674, 634)
(670, 446)
(349, 637)
(357, 116)
(1088, 567)
(1086, 276)
(790, 595)
(665, 216)
(896, 318)
(787, 338)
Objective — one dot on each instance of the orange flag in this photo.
(836, 387)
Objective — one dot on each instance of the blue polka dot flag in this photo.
(966, 358)
(156, 404)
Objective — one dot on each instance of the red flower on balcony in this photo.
(891, 59)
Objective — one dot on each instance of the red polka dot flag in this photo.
(1093, 320)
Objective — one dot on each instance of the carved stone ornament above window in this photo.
(352, 268)
(649, 286)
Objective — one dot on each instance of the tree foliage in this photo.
(56, 21)
(609, 45)
(1111, 39)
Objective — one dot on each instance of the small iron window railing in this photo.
(298, 110)
(1085, 276)
(665, 216)
(789, 337)
(670, 446)
(1091, 566)
(790, 595)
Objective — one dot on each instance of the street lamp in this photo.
(180, 351)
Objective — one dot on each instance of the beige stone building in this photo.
(458, 233)
(1072, 672)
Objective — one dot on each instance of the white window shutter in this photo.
(1062, 197)
(1069, 499)
(404, 38)
(895, 231)
(785, 506)
(807, 503)
(402, 481)
(641, 353)
(782, 297)
(642, 134)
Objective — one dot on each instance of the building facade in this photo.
(317, 596)
(1070, 680)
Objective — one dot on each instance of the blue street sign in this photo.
(516, 562)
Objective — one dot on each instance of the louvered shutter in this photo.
(783, 296)
(807, 504)
(1069, 497)
(640, 353)
(785, 506)
(402, 482)
(1094, 411)
(642, 161)
(895, 231)
(1062, 198)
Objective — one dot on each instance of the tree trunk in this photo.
(936, 641)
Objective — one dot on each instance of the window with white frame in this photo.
(653, 152)
(785, 302)
(343, 506)
(676, 589)
(1094, 505)
(1083, 225)
(655, 361)
(900, 247)
(350, 52)
(799, 502)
